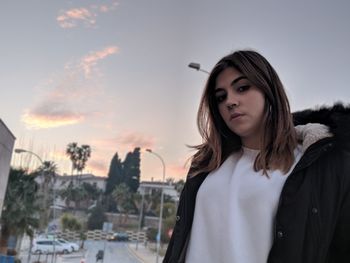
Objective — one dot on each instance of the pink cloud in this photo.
(89, 61)
(85, 15)
(97, 167)
(125, 142)
(106, 8)
(134, 139)
(66, 99)
(70, 18)
(177, 171)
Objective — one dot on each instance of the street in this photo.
(115, 252)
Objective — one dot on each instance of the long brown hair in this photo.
(278, 140)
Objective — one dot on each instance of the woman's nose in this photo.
(232, 101)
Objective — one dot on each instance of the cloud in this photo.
(106, 8)
(59, 155)
(72, 17)
(47, 116)
(84, 15)
(71, 97)
(88, 62)
(177, 171)
(126, 141)
(97, 167)
(134, 139)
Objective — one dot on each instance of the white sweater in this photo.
(235, 210)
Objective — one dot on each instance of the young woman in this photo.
(265, 185)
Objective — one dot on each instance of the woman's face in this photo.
(241, 105)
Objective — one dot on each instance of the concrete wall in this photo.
(7, 141)
(132, 220)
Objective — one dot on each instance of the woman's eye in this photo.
(220, 98)
(243, 88)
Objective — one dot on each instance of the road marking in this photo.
(135, 255)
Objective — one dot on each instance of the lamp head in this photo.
(196, 66)
(19, 151)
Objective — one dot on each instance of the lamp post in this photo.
(26, 151)
(197, 66)
(140, 219)
(19, 151)
(161, 204)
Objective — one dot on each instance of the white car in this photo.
(46, 246)
(74, 246)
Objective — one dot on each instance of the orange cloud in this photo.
(89, 61)
(60, 104)
(45, 120)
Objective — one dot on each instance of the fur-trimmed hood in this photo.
(313, 125)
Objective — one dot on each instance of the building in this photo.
(7, 141)
(62, 181)
(146, 187)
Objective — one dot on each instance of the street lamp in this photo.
(26, 151)
(197, 66)
(19, 151)
(161, 204)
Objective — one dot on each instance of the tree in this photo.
(123, 197)
(72, 152)
(68, 194)
(92, 194)
(131, 167)
(81, 196)
(96, 218)
(84, 153)
(78, 156)
(21, 209)
(47, 173)
(70, 222)
(179, 185)
(115, 174)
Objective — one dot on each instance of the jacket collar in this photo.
(321, 130)
(313, 125)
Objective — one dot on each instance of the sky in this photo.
(114, 74)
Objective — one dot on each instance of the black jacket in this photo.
(312, 224)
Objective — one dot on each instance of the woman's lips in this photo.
(236, 115)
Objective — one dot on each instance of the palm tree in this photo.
(84, 155)
(123, 198)
(68, 194)
(78, 156)
(21, 209)
(72, 152)
(47, 173)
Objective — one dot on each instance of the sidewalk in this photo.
(144, 254)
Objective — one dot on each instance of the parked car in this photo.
(118, 236)
(46, 246)
(74, 246)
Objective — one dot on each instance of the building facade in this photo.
(7, 141)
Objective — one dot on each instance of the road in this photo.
(115, 252)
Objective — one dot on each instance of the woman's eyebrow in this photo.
(237, 79)
(218, 90)
(232, 83)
